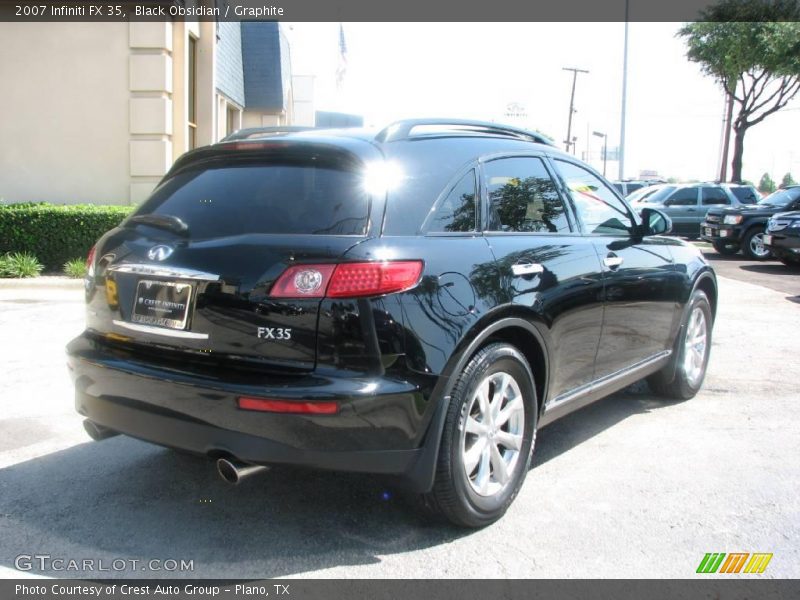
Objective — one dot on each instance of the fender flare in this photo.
(422, 474)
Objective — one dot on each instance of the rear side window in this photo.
(746, 195)
(683, 197)
(264, 198)
(714, 195)
(457, 211)
(523, 197)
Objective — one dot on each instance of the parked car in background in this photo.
(744, 192)
(742, 227)
(413, 302)
(637, 196)
(782, 237)
(687, 203)
(629, 186)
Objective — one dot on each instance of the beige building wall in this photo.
(98, 112)
(65, 110)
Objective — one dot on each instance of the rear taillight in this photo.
(90, 262)
(347, 280)
(288, 406)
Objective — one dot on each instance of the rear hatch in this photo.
(190, 273)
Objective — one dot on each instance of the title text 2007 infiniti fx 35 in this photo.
(414, 302)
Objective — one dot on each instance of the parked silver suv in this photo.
(687, 203)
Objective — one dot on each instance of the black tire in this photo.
(453, 495)
(726, 249)
(748, 239)
(674, 381)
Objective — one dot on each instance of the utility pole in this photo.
(605, 147)
(569, 141)
(624, 99)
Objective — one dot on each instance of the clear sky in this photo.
(474, 70)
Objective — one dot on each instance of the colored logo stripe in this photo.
(758, 563)
(734, 562)
(713, 562)
(710, 563)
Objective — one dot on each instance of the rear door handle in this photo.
(612, 262)
(527, 269)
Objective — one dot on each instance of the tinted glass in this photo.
(746, 195)
(714, 195)
(257, 198)
(782, 198)
(523, 197)
(658, 195)
(683, 197)
(599, 209)
(457, 211)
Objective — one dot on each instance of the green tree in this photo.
(766, 185)
(752, 48)
(788, 180)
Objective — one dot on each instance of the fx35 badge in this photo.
(274, 333)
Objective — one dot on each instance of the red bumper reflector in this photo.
(288, 406)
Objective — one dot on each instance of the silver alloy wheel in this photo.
(491, 435)
(694, 350)
(757, 246)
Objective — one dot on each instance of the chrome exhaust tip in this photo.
(233, 471)
(98, 432)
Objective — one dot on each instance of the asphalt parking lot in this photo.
(628, 487)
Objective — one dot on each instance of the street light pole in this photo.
(569, 141)
(605, 147)
(624, 99)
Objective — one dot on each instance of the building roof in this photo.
(266, 66)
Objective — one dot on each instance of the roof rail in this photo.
(254, 132)
(401, 130)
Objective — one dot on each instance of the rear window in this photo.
(264, 198)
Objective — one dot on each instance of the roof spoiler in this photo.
(258, 132)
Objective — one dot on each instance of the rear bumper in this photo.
(380, 427)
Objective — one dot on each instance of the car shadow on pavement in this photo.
(574, 429)
(125, 499)
(771, 268)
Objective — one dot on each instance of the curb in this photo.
(41, 284)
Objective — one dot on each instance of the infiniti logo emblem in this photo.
(160, 252)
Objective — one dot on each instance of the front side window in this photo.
(683, 197)
(457, 211)
(598, 207)
(714, 195)
(523, 197)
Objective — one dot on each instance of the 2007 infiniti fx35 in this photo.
(414, 302)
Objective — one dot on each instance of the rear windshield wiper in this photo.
(162, 221)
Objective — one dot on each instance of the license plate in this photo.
(162, 303)
(708, 231)
(767, 239)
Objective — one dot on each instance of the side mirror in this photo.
(655, 222)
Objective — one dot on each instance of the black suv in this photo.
(413, 302)
(742, 227)
(782, 238)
